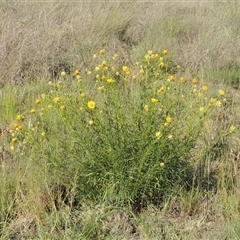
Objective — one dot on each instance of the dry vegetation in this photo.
(39, 40)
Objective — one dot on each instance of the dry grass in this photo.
(40, 38)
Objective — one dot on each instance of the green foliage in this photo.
(126, 132)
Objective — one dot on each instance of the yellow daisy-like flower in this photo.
(114, 56)
(12, 148)
(170, 136)
(232, 129)
(97, 69)
(33, 110)
(91, 104)
(57, 99)
(14, 140)
(169, 119)
(126, 70)
(63, 74)
(146, 107)
(103, 77)
(91, 122)
(162, 164)
(205, 88)
(43, 134)
(158, 134)
(161, 65)
(182, 79)
(110, 80)
(101, 88)
(161, 89)
(77, 72)
(221, 92)
(37, 101)
(154, 100)
(195, 81)
(20, 117)
(16, 126)
(165, 52)
(171, 78)
(215, 102)
(202, 109)
(102, 51)
(104, 64)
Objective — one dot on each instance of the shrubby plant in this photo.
(121, 133)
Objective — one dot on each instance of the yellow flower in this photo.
(158, 134)
(169, 119)
(126, 70)
(182, 79)
(221, 92)
(205, 88)
(103, 77)
(114, 56)
(63, 74)
(146, 107)
(20, 117)
(202, 109)
(91, 122)
(162, 164)
(91, 104)
(97, 69)
(104, 64)
(232, 129)
(154, 100)
(57, 99)
(43, 134)
(101, 88)
(161, 65)
(110, 80)
(165, 52)
(171, 78)
(17, 126)
(77, 72)
(62, 107)
(195, 81)
(37, 101)
(94, 56)
(33, 110)
(170, 136)
(161, 89)
(89, 72)
(166, 124)
(102, 51)
(215, 102)
(14, 140)
(12, 148)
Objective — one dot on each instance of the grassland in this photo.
(119, 120)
